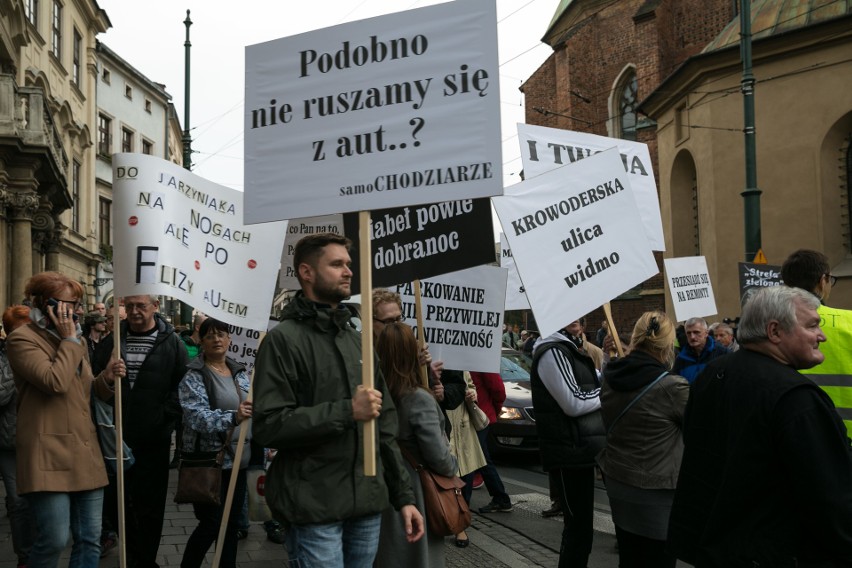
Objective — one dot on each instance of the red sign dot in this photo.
(197, 265)
(252, 263)
(133, 221)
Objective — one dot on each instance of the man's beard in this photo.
(330, 293)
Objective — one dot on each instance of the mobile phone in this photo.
(52, 302)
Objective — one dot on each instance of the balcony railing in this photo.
(25, 116)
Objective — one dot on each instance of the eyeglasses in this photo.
(142, 306)
(832, 279)
(74, 303)
(216, 334)
(388, 321)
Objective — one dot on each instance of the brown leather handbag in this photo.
(200, 478)
(446, 511)
(200, 473)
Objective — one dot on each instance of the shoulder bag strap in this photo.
(648, 387)
(227, 444)
(410, 458)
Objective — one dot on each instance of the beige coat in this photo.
(57, 445)
(464, 444)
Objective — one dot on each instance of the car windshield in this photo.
(512, 371)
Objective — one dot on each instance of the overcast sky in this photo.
(150, 36)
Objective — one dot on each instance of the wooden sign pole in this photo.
(365, 258)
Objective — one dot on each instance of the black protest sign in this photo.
(422, 241)
(753, 276)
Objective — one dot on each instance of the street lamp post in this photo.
(751, 194)
(186, 309)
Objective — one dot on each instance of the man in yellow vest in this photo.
(809, 269)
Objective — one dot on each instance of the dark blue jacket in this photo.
(688, 366)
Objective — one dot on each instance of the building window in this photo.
(56, 28)
(147, 147)
(128, 92)
(78, 48)
(106, 75)
(148, 105)
(31, 11)
(75, 196)
(105, 221)
(126, 140)
(684, 196)
(627, 102)
(104, 136)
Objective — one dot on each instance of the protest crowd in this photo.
(714, 448)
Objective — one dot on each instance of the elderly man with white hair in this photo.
(766, 476)
(699, 350)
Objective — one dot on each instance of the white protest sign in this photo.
(463, 316)
(516, 299)
(576, 238)
(397, 110)
(180, 235)
(296, 229)
(544, 149)
(689, 284)
(244, 344)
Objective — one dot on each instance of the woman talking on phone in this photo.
(61, 471)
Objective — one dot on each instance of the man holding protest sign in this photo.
(156, 363)
(310, 406)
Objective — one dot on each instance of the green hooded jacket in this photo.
(306, 372)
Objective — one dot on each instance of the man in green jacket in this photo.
(310, 406)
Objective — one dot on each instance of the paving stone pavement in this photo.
(492, 544)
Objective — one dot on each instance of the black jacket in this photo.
(766, 477)
(567, 441)
(151, 407)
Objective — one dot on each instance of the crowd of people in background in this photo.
(713, 447)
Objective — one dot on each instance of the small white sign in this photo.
(296, 229)
(516, 299)
(544, 149)
(244, 344)
(576, 238)
(689, 284)
(463, 317)
(180, 235)
(397, 110)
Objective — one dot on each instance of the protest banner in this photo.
(544, 149)
(690, 288)
(423, 241)
(179, 235)
(396, 110)
(575, 238)
(516, 298)
(755, 276)
(244, 344)
(296, 229)
(463, 317)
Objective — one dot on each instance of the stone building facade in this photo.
(67, 103)
(803, 119)
(47, 167)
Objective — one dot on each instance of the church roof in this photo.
(771, 17)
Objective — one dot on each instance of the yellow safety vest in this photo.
(834, 375)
